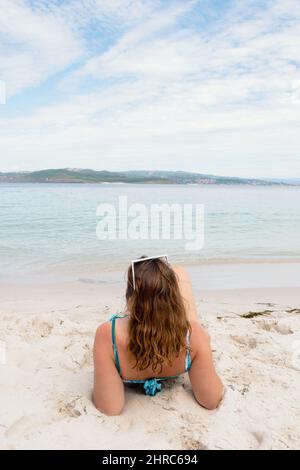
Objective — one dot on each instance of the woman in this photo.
(158, 338)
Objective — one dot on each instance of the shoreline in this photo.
(71, 296)
(220, 276)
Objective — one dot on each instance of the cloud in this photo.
(161, 88)
(2, 92)
(33, 46)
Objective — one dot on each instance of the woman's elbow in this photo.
(210, 404)
(112, 412)
(109, 410)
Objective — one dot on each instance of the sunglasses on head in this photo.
(133, 262)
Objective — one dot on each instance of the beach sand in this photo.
(46, 383)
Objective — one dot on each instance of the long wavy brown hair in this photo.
(158, 322)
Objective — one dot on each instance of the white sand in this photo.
(45, 386)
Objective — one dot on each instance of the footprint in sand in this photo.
(78, 355)
(282, 327)
(68, 409)
(194, 444)
(42, 327)
(245, 343)
(264, 440)
(191, 440)
(19, 428)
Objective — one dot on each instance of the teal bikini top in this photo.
(153, 385)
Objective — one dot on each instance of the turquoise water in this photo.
(48, 227)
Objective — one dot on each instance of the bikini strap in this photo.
(188, 360)
(114, 345)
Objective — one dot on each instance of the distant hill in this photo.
(74, 175)
(290, 181)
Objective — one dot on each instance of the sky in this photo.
(211, 86)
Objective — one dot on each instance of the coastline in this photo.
(235, 274)
(90, 176)
(46, 383)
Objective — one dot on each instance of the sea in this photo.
(79, 229)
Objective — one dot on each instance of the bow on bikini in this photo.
(151, 387)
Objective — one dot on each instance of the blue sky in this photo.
(197, 85)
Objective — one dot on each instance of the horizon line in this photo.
(151, 170)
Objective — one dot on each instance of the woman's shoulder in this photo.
(104, 331)
(200, 345)
(199, 335)
(103, 334)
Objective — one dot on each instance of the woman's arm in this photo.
(108, 392)
(186, 292)
(206, 384)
